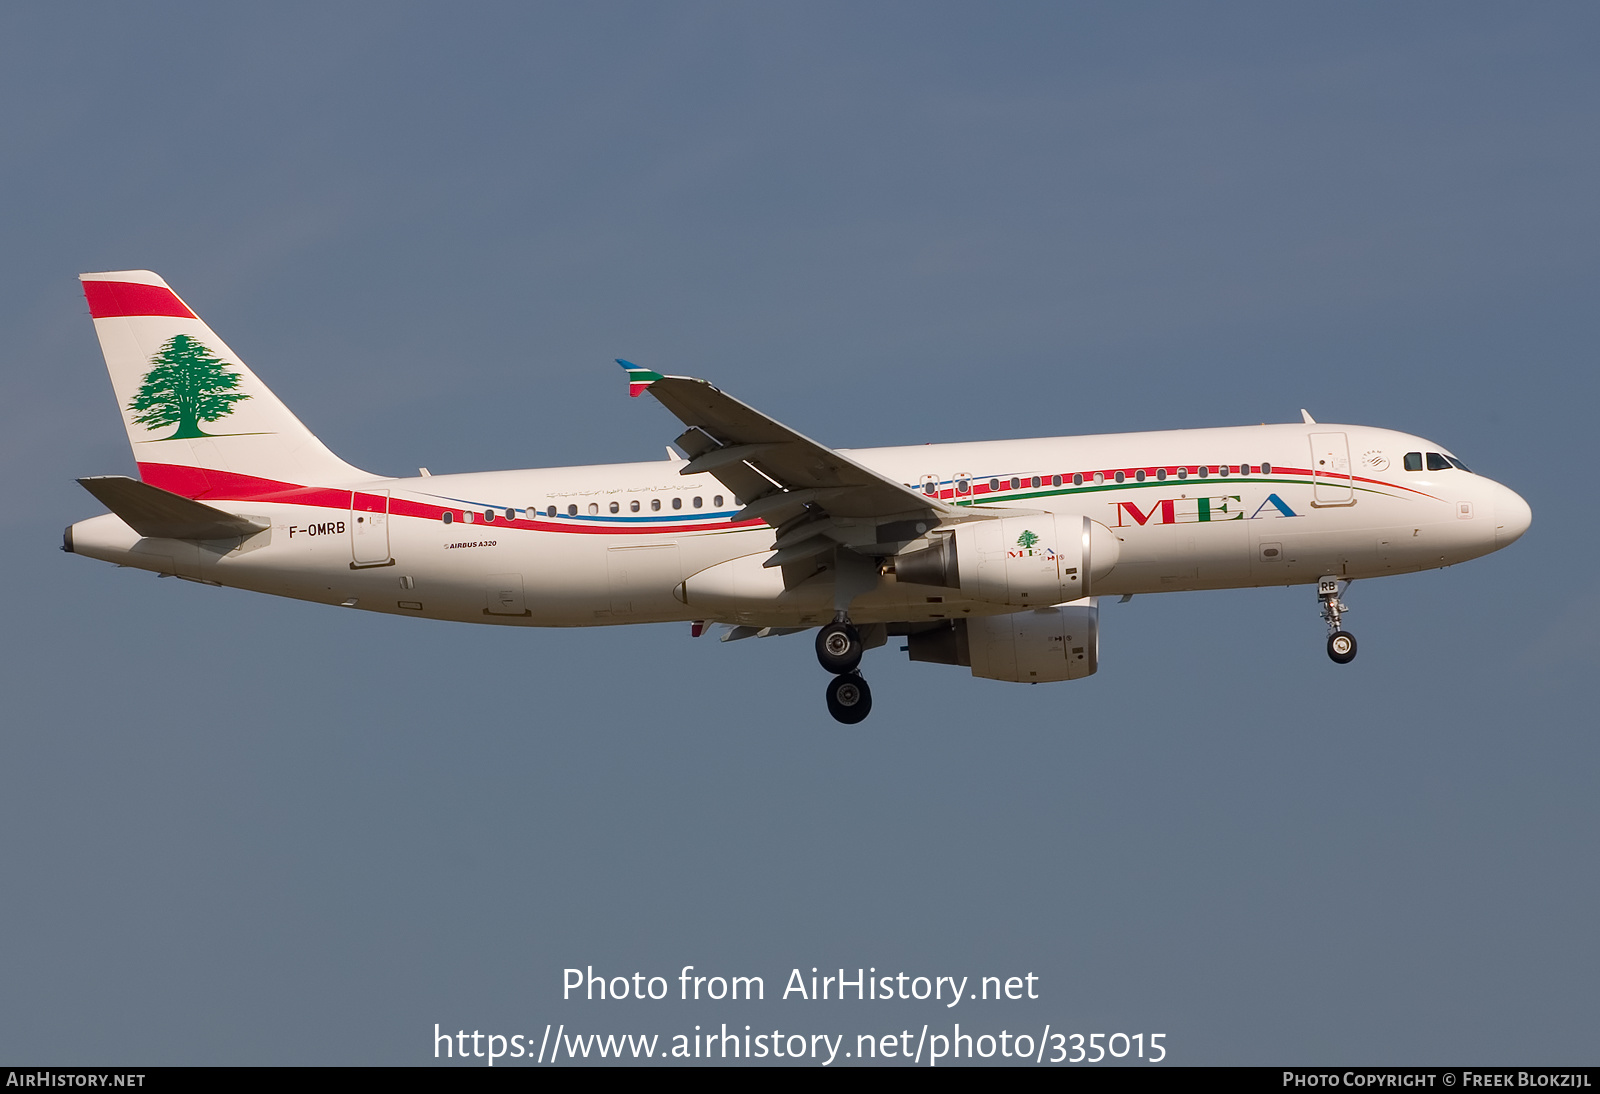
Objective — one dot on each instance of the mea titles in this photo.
(866, 984)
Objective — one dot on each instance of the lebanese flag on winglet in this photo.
(132, 292)
(638, 378)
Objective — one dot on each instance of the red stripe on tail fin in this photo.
(109, 299)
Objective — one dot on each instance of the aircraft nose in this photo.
(1511, 517)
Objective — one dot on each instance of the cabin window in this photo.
(1099, 477)
(633, 506)
(716, 502)
(1138, 476)
(1266, 468)
(1183, 472)
(511, 514)
(1077, 480)
(449, 517)
(1015, 483)
(1204, 471)
(698, 503)
(994, 484)
(594, 508)
(1223, 470)
(1055, 480)
(572, 510)
(1161, 474)
(655, 505)
(930, 488)
(1036, 482)
(677, 503)
(963, 484)
(488, 516)
(615, 508)
(550, 511)
(466, 517)
(1437, 462)
(1120, 476)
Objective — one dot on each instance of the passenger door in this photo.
(1331, 481)
(369, 529)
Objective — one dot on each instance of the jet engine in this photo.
(1030, 561)
(1060, 643)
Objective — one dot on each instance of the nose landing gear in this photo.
(839, 650)
(1341, 643)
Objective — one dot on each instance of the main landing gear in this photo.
(1341, 643)
(839, 651)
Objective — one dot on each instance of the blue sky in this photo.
(246, 830)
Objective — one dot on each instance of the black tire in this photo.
(839, 648)
(849, 698)
(1342, 647)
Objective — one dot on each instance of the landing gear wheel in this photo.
(849, 698)
(1342, 647)
(839, 649)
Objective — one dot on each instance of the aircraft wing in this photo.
(813, 495)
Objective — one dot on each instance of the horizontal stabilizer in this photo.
(160, 514)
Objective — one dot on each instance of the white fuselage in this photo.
(638, 542)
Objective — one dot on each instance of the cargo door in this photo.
(505, 595)
(642, 579)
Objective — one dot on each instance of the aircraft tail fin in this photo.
(200, 422)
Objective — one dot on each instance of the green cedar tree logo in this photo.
(188, 385)
(1026, 540)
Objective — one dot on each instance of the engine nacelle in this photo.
(1060, 643)
(1023, 561)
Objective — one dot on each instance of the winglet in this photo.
(638, 378)
(1305, 416)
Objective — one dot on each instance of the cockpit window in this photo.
(1437, 462)
(1458, 465)
(1413, 461)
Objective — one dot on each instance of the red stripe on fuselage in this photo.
(206, 484)
(109, 299)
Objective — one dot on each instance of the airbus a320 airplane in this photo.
(989, 555)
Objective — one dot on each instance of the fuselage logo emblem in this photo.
(1199, 510)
